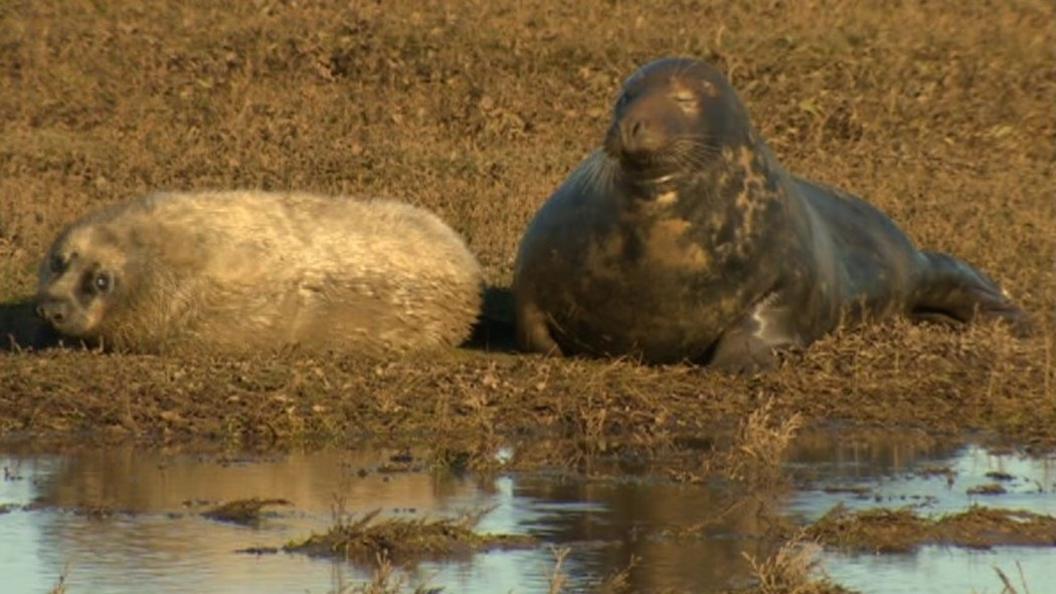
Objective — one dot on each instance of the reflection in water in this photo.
(938, 483)
(946, 570)
(161, 540)
(935, 481)
(163, 545)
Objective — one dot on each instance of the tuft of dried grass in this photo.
(558, 578)
(384, 580)
(903, 530)
(60, 585)
(759, 447)
(1009, 588)
(367, 537)
(793, 569)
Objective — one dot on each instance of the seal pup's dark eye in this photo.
(57, 264)
(101, 282)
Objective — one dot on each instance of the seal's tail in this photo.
(953, 289)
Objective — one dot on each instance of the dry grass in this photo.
(385, 580)
(60, 585)
(242, 511)
(759, 447)
(901, 530)
(558, 577)
(793, 569)
(1009, 587)
(941, 113)
(615, 583)
(367, 537)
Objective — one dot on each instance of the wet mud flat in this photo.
(121, 518)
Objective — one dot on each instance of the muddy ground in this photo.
(940, 113)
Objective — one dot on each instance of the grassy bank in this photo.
(940, 113)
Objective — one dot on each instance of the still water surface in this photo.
(158, 541)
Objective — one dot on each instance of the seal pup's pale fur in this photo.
(241, 271)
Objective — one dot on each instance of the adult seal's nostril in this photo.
(634, 135)
(644, 129)
(637, 129)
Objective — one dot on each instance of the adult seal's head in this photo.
(681, 147)
(671, 121)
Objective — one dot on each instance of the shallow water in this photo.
(895, 477)
(158, 542)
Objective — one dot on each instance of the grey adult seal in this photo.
(683, 238)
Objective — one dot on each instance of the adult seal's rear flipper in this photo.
(953, 290)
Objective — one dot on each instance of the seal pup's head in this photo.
(81, 278)
(672, 119)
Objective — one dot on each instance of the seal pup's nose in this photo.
(53, 311)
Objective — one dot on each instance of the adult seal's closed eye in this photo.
(683, 238)
(240, 272)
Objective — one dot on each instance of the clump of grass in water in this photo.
(364, 538)
(1008, 587)
(792, 570)
(759, 447)
(245, 512)
(384, 581)
(614, 583)
(902, 530)
(60, 587)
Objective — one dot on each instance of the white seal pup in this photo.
(241, 271)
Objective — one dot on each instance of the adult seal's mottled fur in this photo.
(683, 238)
(238, 272)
